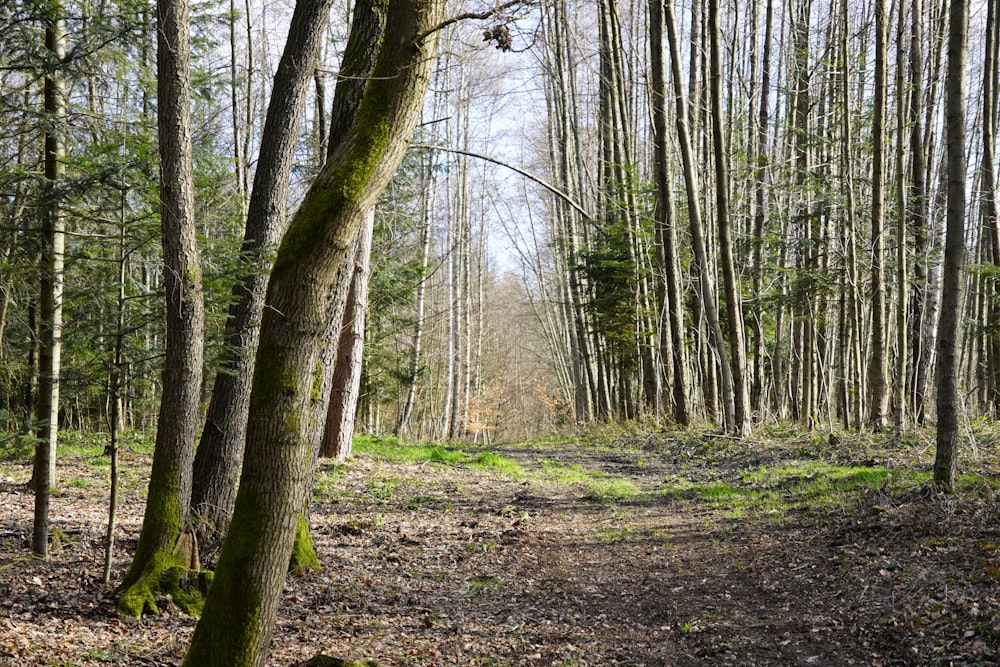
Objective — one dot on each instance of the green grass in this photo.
(600, 485)
(614, 535)
(382, 488)
(392, 449)
(483, 584)
(491, 461)
(619, 489)
(809, 486)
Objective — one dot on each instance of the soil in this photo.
(438, 564)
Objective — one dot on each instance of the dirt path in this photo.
(433, 564)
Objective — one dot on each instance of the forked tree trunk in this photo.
(235, 627)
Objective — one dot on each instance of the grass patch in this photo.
(807, 486)
(614, 535)
(600, 485)
(419, 500)
(492, 461)
(392, 449)
(614, 489)
(382, 488)
(483, 584)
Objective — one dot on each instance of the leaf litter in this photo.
(442, 564)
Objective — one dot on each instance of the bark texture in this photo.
(240, 610)
(946, 456)
(162, 543)
(220, 452)
(51, 287)
(350, 351)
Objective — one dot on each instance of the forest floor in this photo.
(658, 550)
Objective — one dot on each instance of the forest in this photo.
(537, 332)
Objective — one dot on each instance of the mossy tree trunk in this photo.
(163, 543)
(239, 613)
(220, 452)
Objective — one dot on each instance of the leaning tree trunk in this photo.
(949, 332)
(220, 452)
(164, 541)
(239, 612)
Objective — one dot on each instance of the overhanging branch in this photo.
(531, 177)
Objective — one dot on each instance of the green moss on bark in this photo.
(231, 639)
(166, 581)
(303, 554)
(330, 661)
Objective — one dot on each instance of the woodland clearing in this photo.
(666, 549)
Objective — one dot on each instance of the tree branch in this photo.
(480, 16)
(542, 182)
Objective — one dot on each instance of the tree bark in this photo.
(163, 526)
(878, 389)
(946, 456)
(665, 217)
(51, 293)
(220, 452)
(239, 613)
(731, 285)
(339, 429)
(706, 287)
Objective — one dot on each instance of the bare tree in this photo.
(53, 242)
(948, 408)
(239, 613)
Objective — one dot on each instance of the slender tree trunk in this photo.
(991, 218)
(670, 298)
(878, 393)
(339, 429)
(899, 388)
(51, 296)
(418, 325)
(164, 540)
(239, 158)
(732, 289)
(115, 395)
(949, 333)
(761, 204)
(706, 288)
